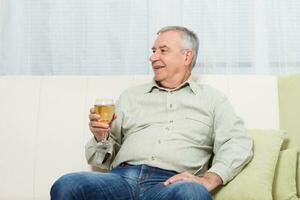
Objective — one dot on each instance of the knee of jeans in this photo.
(65, 185)
(190, 190)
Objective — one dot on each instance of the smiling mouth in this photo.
(158, 67)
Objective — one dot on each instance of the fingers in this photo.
(93, 116)
(173, 180)
(100, 130)
(92, 110)
(179, 177)
(97, 124)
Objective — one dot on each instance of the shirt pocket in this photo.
(198, 129)
(201, 119)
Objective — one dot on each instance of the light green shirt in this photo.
(178, 129)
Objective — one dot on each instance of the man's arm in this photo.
(232, 144)
(96, 153)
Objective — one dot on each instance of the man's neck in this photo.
(174, 83)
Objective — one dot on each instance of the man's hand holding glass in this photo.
(101, 117)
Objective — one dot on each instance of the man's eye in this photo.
(153, 51)
(164, 50)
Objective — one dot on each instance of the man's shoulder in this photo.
(208, 94)
(207, 90)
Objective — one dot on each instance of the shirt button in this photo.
(171, 106)
(152, 157)
(171, 121)
(159, 141)
(167, 128)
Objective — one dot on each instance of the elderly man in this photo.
(163, 136)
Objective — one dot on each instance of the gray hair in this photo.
(189, 39)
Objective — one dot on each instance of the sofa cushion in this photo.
(284, 185)
(256, 179)
(298, 176)
(289, 98)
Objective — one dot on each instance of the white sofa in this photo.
(44, 122)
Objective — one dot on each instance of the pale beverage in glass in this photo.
(106, 112)
(106, 109)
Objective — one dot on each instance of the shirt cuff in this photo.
(97, 153)
(102, 148)
(223, 171)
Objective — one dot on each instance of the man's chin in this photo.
(159, 75)
(157, 78)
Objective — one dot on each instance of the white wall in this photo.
(44, 122)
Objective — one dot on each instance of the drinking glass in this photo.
(105, 107)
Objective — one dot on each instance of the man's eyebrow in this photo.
(163, 46)
(160, 47)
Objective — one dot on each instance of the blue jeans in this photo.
(126, 182)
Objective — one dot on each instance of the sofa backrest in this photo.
(289, 99)
(44, 122)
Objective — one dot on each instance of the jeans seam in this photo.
(138, 184)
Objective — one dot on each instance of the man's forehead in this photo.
(167, 39)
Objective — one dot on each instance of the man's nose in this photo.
(154, 57)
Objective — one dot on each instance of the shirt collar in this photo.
(189, 82)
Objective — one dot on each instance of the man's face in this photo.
(170, 63)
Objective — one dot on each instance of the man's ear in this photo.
(188, 57)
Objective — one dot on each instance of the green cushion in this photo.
(284, 185)
(298, 176)
(289, 98)
(255, 181)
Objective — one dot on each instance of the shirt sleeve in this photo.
(99, 155)
(232, 144)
